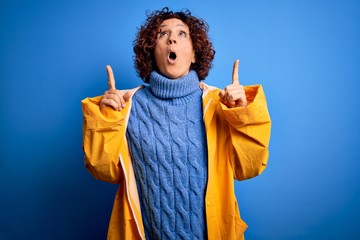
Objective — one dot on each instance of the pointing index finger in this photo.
(111, 78)
(235, 73)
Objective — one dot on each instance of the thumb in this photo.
(235, 73)
(127, 96)
(111, 78)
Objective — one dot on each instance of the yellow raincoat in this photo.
(237, 140)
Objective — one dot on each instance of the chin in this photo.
(172, 75)
(176, 75)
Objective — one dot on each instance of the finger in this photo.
(222, 93)
(122, 102)
(235, 73)
(235, 90)
(231, 104)
(127, 96)
(113, 94)
(111, 103)
(111, 78)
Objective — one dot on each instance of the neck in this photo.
(164, 87)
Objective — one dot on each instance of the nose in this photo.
(171, 40)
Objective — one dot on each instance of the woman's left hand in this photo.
(234, 94)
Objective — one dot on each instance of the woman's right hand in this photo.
(114, 98)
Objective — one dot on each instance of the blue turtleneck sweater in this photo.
(167, 141)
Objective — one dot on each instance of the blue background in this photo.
(305, 53)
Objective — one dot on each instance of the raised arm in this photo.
(104, 131)
(245, 109)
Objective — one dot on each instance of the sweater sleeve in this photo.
(103, 135)
(250, 129)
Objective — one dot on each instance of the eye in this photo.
(162, 34)
(182, 34)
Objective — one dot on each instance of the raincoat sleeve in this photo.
(103, 136)
(250, 129)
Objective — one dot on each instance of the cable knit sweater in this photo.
(167, 141)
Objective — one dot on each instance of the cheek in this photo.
(160, 50)
(157, 52)
(191, 55)
(189, 48)
(193, 59)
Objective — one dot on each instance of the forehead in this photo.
(172, 23)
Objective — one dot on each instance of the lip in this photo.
(170, 60)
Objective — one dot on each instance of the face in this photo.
(174, 50)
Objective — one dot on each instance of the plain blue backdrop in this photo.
(305, 53)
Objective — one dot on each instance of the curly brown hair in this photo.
(144, 44)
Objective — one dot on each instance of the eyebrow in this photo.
(178, 25)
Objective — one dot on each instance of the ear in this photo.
(193, 60)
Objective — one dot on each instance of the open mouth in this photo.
(172, 56)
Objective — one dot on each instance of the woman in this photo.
(175, 145)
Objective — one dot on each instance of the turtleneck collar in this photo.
(163, 87)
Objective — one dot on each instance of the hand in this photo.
(234, 94)
(114, 98)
